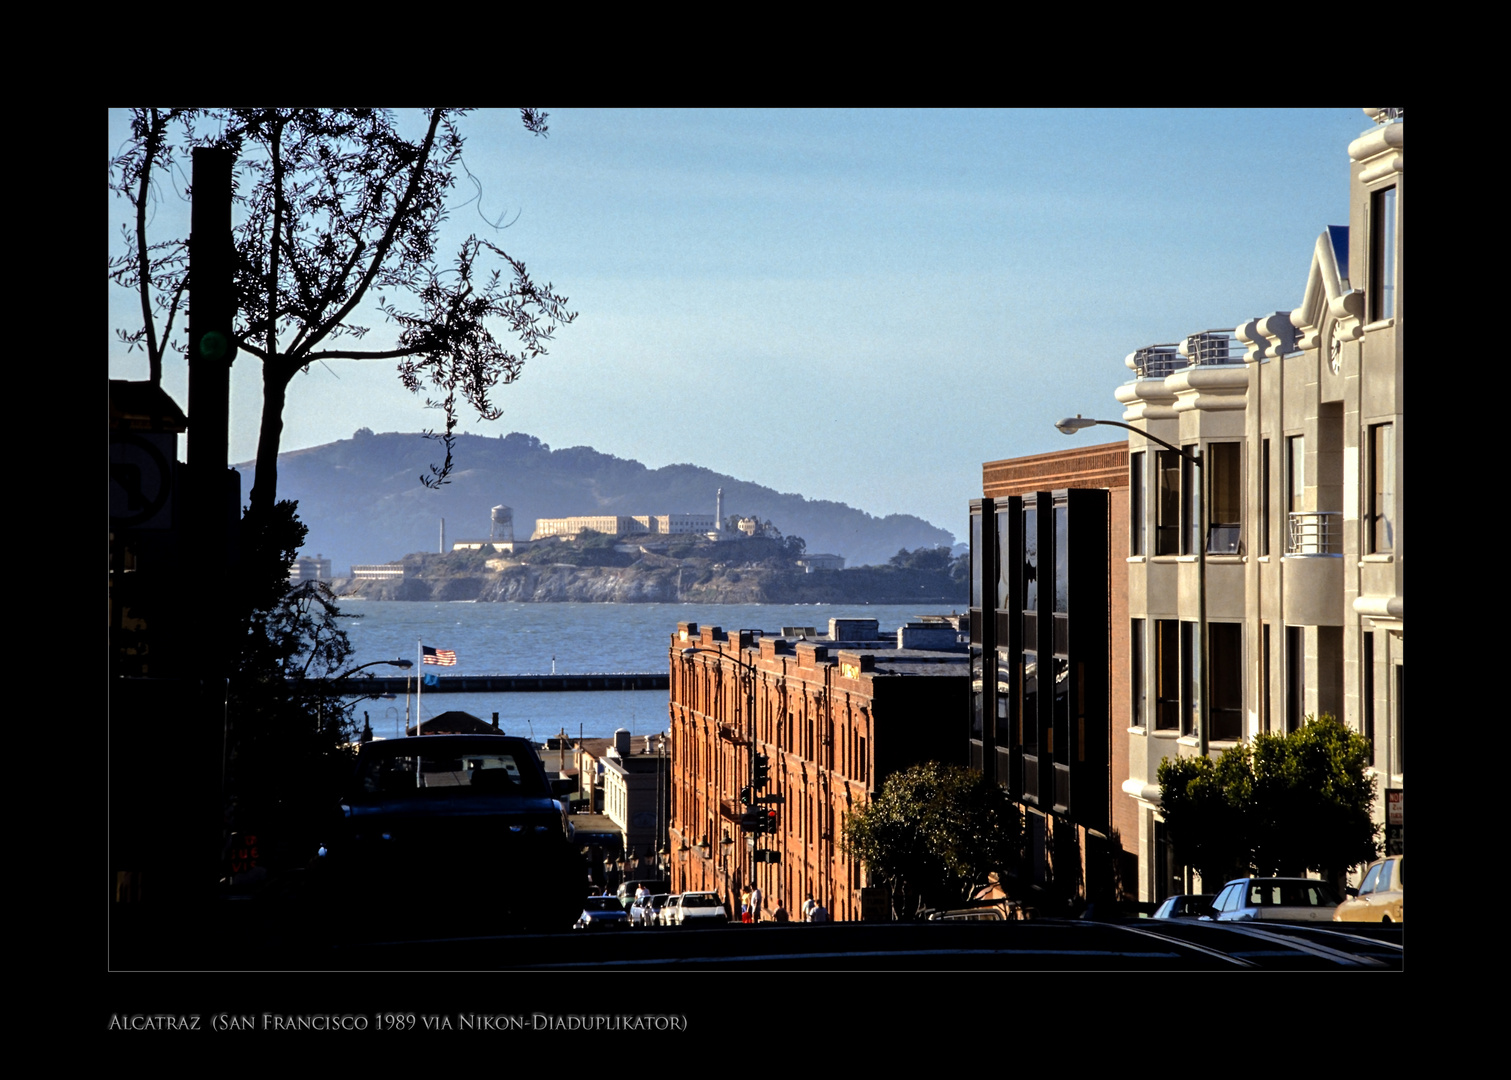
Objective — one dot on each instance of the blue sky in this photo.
(852, 305)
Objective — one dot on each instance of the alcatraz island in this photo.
(650, 558)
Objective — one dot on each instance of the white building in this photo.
(1298, 417)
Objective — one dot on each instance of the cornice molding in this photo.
(1327, 295)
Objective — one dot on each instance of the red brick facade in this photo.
(833, 722)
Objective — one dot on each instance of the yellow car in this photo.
(1378, 897)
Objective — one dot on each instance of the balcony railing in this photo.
(1212, 347)
(1156, 361)
(1315, 532)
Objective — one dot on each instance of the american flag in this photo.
(444, 657)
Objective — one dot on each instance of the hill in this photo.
(363, 501)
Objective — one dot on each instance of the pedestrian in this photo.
(755, 903)
(745, 904)
(807, 908)
(818, 914)
(780, 914)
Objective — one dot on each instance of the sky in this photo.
(861, 306)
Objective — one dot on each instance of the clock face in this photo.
(1335, 355)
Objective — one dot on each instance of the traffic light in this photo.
(769, 822)
(761, 771)
(747, 795)
(753, 820)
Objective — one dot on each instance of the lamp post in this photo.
(748, 676)
(367, 728)
(1073, 424)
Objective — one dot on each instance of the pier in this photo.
(491, 684)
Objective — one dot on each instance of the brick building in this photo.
(1049, 662)
(834, 717)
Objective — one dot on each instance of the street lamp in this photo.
(375, 663)
(1074, 424)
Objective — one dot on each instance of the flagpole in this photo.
(419, 685)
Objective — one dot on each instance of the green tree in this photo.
(337, 220)
(933, 833)
(1283, 804)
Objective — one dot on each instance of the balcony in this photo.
(1314, 532)
(1313, 567)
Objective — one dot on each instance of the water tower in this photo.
(503, 524)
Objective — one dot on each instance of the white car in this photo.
(700, 909)
(1275, 900)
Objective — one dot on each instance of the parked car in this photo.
(655, 906)
(1185, 906)
(701, 909)
(1379, 897)
(1275, 900)
(602, 913)
(628, 889)
(453, 829)
(670, 910)
(640, 912)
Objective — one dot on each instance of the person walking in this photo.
(745, 905)
(807, 908)
(755, 904)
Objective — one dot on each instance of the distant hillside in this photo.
(363, 501)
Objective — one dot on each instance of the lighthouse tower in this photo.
(719, 511)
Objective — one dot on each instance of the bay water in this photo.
(570, 639)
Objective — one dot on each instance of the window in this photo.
(1061, 523)
(1225, 684)
(1136, 673)
(1167, 510)
(1398, 725)
(1264, 497)
(1295, 677)
(1190, 704)
(1295, 473)
(1382, 255)
(1223, 465)
(1136, 503)
(1167, 675)
(1004, 561)
(1382, 488)
(976, 556)
(1190, 508)
(1367, 691)
(1030, 590)
(1264, 688)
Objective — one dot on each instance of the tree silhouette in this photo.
(337, 219)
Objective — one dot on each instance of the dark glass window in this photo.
(1382, 268)
(1382, 488)
(1136, 673)
(1264, 498)
(1004, 561)
(1030, 560)
(1062, 559)
(1167, 509)
(1224, 469)
(976, 556)
(1190, 705)
(1167, 675)
(1136, 482)
(1225, 684)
